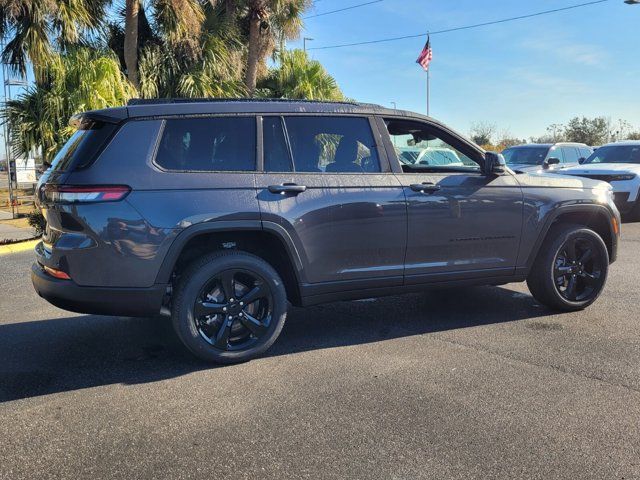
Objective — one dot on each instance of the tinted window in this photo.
(276, 152)
(525, 155)
(208, 144)
(616, 154)
(81, 149)
(570, 155)
(556, 152)
(332, 144)
(585, 152)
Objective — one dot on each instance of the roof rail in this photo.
(162, 101)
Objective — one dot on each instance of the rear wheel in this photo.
(571, 268)
(229, 307)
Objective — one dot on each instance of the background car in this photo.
(618, 164)
(546, 156)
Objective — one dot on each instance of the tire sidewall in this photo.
(191, 285)
(557, 244)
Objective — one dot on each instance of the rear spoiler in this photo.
(85, 120)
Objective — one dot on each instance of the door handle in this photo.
(286, 188)
(425, 187)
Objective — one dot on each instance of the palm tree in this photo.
(132, 8)
(301, 78)
(78, 80)
(30, 26)
(270, 23)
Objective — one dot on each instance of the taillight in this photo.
(85, 193)
(54, 272)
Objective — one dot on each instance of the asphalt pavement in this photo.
(465, 383)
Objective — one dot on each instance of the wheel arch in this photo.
(268, 241)
(596, 217)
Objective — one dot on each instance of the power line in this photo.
(466, 27)
(342, 9)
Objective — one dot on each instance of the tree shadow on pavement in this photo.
(66, 354)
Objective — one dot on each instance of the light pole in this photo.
(632, 2)
(304, 43)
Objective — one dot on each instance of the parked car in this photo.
(618, 164)
(221, 213)
(533, 157)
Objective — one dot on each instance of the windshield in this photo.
(525, 155)
(408, 157)
(616, 154)
(442, 156)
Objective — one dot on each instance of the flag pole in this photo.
(428, 90)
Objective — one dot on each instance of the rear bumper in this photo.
(65, 294)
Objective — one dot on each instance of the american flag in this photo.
(426, 55)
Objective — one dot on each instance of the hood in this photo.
(555, 180)
(601, 168)
(525, 167)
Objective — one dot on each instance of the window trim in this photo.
(164, 119)
(385, 167)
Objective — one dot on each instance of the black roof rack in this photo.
(163, 101)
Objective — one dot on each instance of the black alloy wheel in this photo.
(229, 307)
(578, 269)
(233, 310)
(570, 270)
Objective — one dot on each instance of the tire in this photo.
(211, 318)
(555, 269)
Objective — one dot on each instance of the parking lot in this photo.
(469, 383)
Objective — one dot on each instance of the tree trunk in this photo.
(131, 41)
(253, 56)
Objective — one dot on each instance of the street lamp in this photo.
(304, 42)
(632, 2)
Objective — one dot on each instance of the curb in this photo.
(18, 247)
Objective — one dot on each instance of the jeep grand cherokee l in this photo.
(223, 212)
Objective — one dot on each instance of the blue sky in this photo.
(522, 75)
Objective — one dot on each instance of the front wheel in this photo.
(571, 268)
(229, 307)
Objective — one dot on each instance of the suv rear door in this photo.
(327, 183)
(461, 222)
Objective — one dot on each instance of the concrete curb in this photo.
(18, 247)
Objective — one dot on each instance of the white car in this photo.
(618, 164)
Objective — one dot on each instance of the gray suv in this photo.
(224, 212)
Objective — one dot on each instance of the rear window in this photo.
(82, 148)
(208, 144)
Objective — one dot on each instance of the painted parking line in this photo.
(18, 247)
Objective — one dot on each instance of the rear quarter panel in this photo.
(132, 237)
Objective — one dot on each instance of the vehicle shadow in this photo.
(71, 353)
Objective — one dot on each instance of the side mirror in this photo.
(494, 163)
(581, 160)
(551, 161)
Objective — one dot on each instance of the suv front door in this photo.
(461, 222)
(326, 182)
